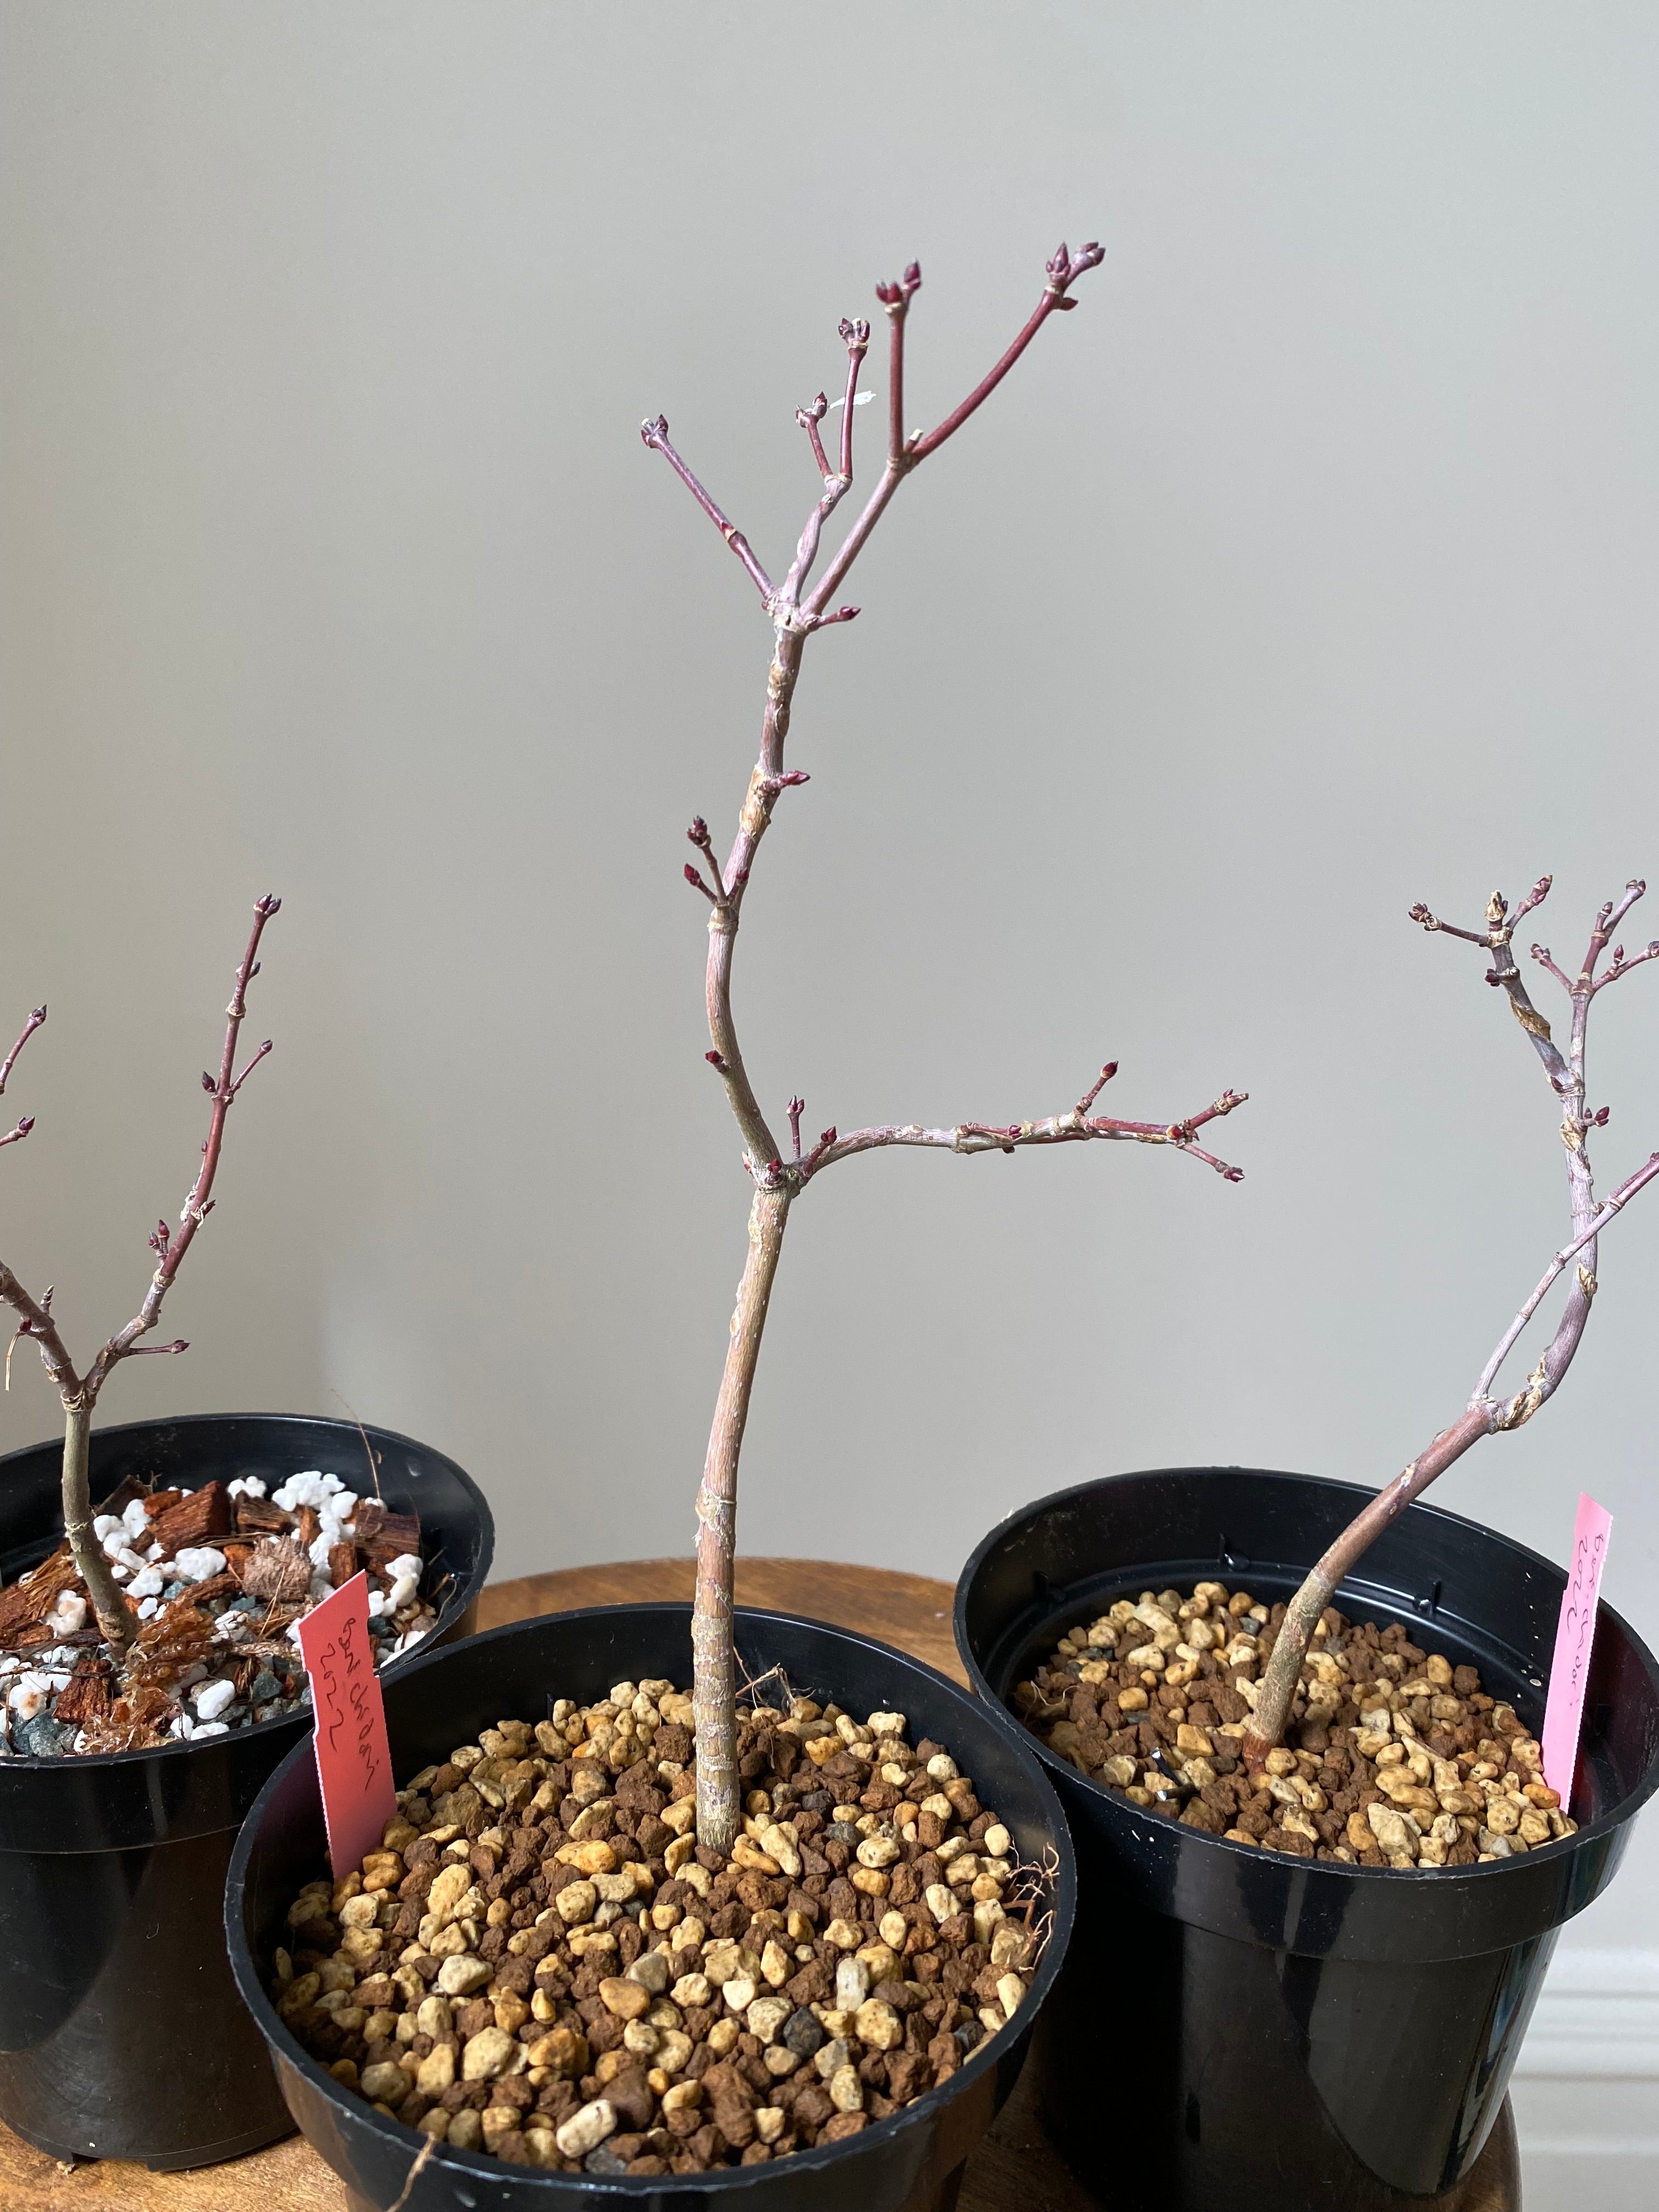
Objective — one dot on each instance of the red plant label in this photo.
(1564, 1713)
(354, 1760)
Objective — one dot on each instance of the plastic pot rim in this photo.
(1119, 1810)
(454, 1606)
(289, 2051)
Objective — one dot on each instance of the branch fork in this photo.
(1485, 1415)
(797, 608)
(79, 1390)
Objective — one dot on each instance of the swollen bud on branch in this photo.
(208, 1083)
(716, 1060)
(898, 296)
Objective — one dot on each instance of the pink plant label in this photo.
(354, 1760)
(1564, 1713)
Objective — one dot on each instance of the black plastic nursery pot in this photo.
(909, 2163)
(121, 2033)
(1305, 2033)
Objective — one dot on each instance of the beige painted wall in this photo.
(1306, 570)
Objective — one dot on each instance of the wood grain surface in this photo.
(1014, 2167)
(906, 1610)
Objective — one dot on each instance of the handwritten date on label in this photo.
(354, 1760)
(1563, 1712)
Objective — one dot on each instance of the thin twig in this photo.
(1619, 966)
(855, 336)
(369, 1452)
(655, 435)
(29, 1027)
(1604, 1213)
(1075, 1127)
(198, 1202)
(1485, 1416)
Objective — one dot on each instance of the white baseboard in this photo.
(1586, 2087)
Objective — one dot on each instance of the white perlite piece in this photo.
(212, 1698)
(69, 1614)
(28, 1696)
(313, 1487)
(195, 1588)
(197, 1563)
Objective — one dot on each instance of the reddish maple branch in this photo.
(80, 1392)
(1485, 1416)
(796, 613)
(655, 435)
(1075, 1127)
(29, 1027)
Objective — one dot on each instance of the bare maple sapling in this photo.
(1484, 1414)
(79, 1389)
(797, 609)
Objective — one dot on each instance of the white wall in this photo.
(1306, 570)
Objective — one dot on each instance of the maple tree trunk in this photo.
(713, 1683)
(110, 1608)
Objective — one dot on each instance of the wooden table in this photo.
(1014, 2166)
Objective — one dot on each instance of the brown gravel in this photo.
(540, 1962)
(1393, 1757)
